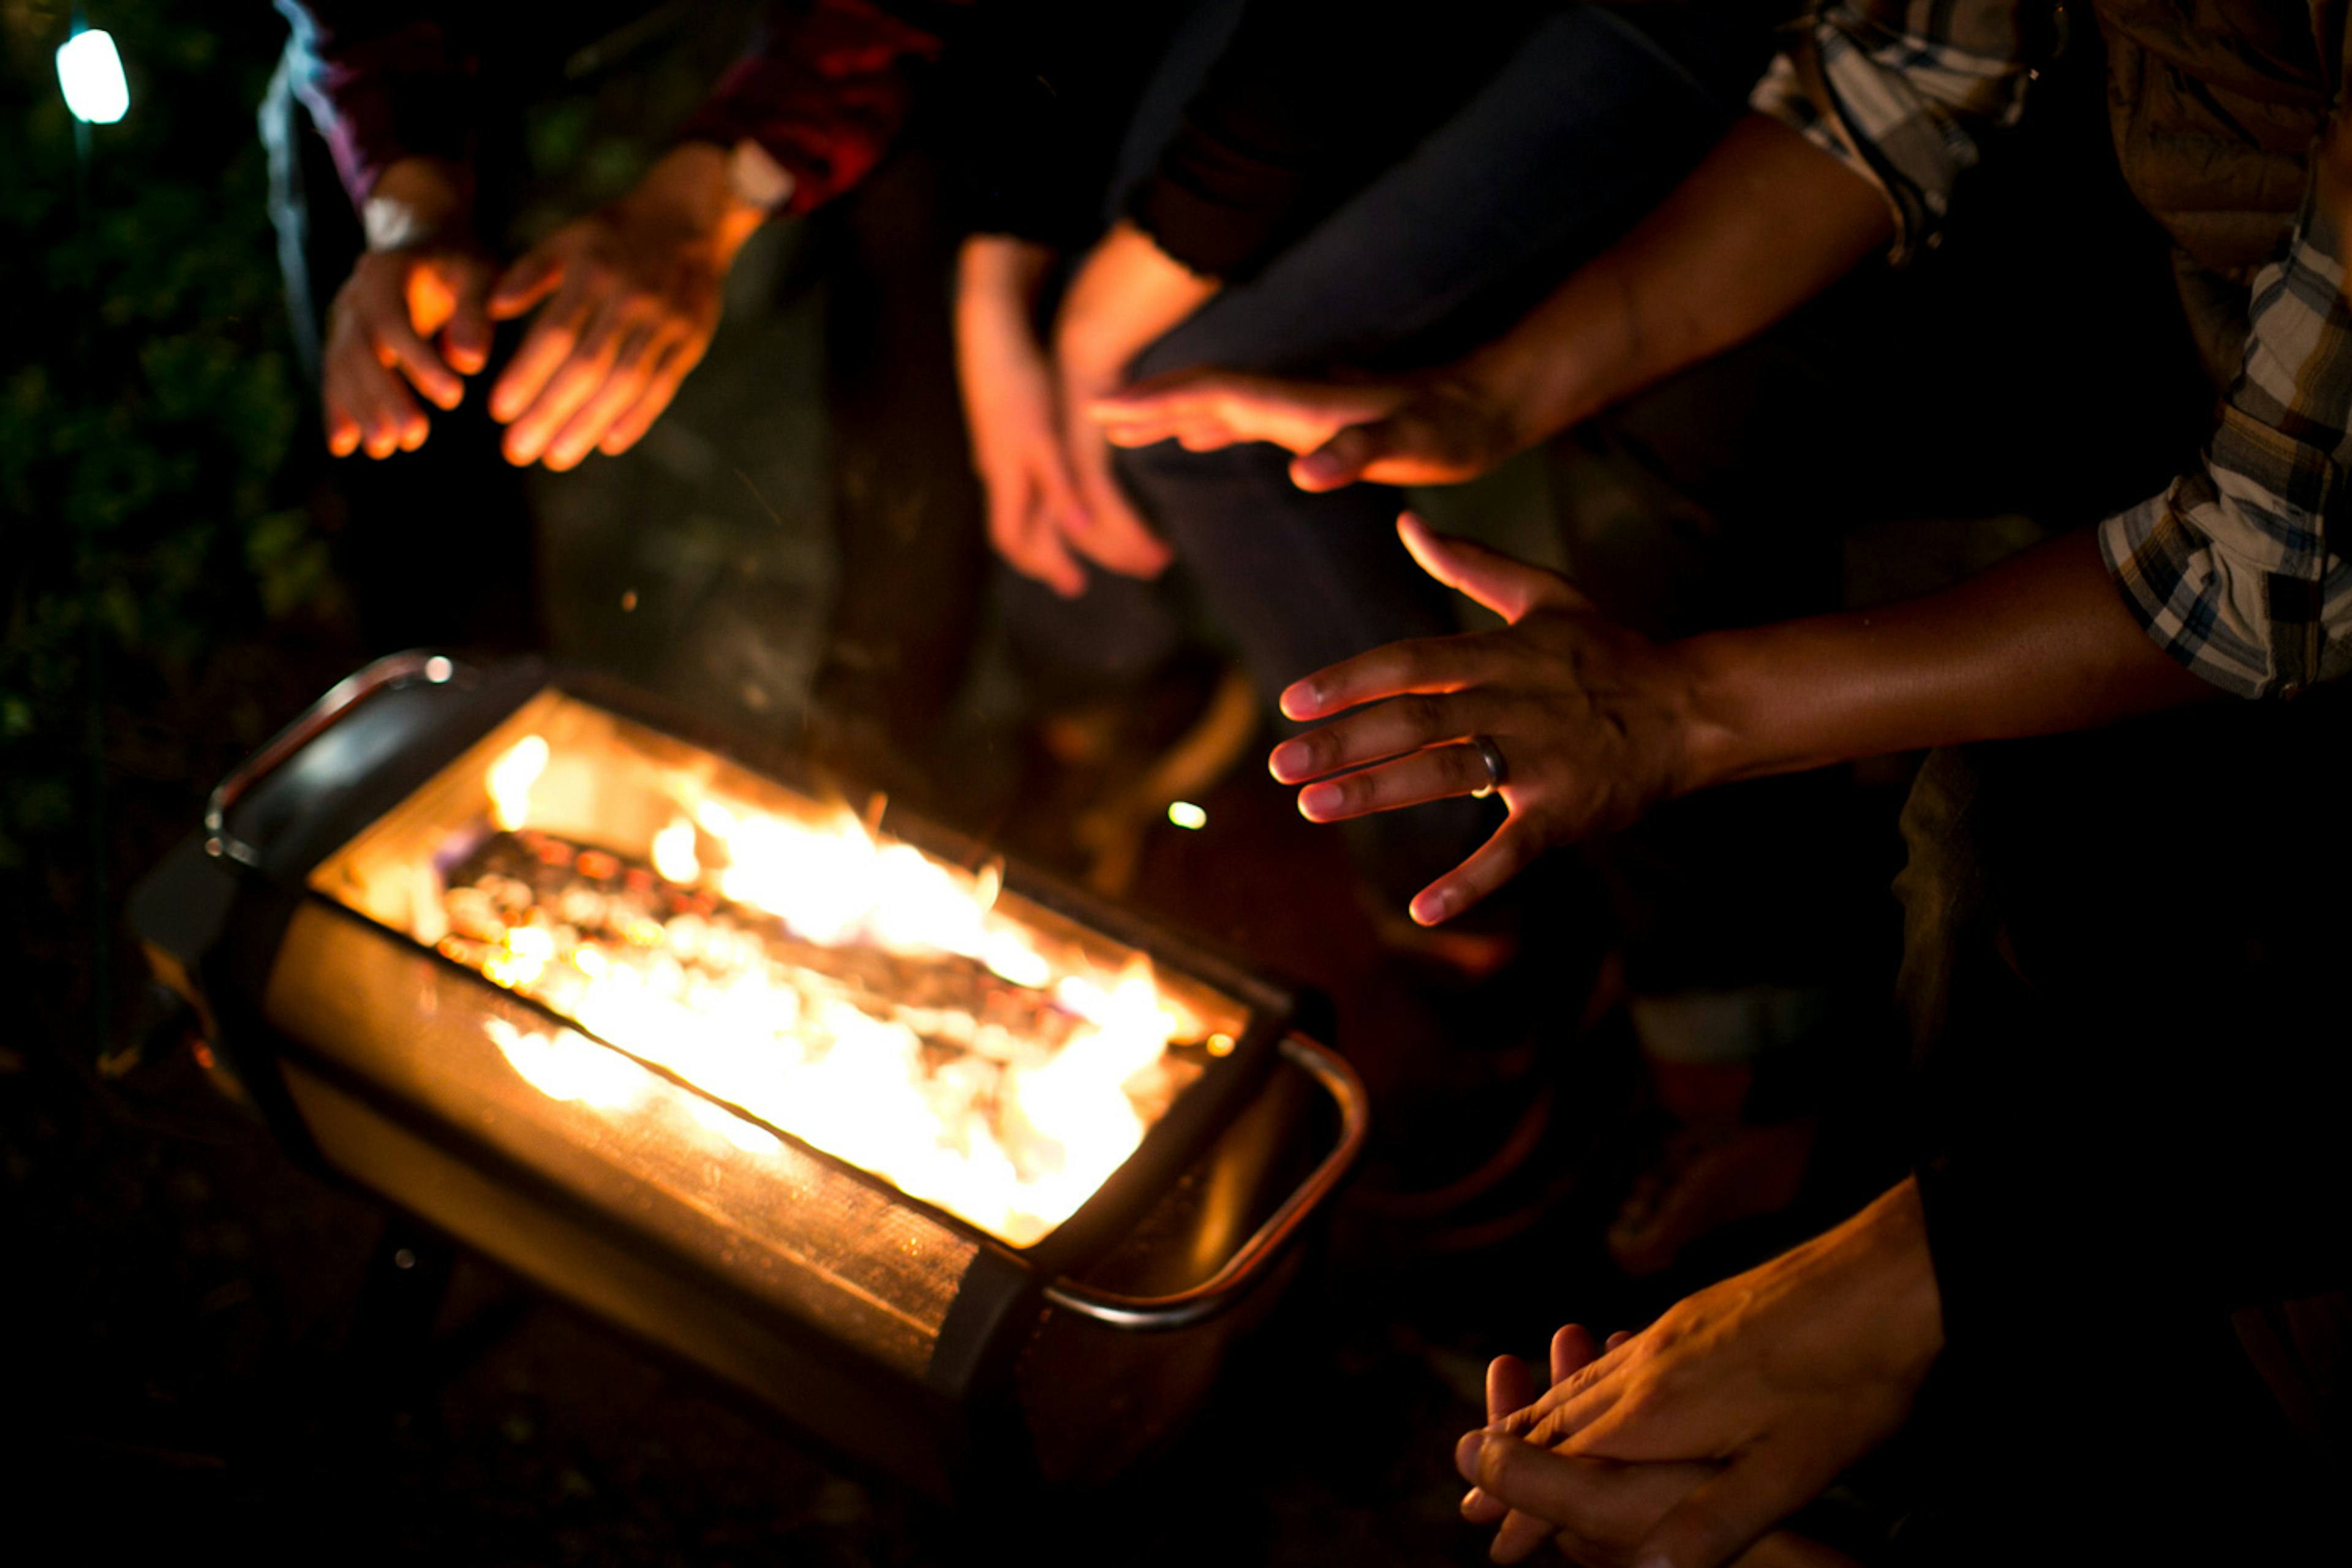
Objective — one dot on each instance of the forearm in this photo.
(1127, 296)
(998, 281)
(1762, 224)
(2039, 645)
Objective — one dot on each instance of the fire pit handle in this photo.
(1222, 1290)
(393, 669)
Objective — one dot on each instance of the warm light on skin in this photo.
(1184, 814)
(91, 72)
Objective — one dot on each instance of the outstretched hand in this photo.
(1421, 431)
(628, 298)
(1592, 722)
(423, 278)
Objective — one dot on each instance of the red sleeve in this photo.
(824, 89)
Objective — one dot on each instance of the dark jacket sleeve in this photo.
(382, 82)
(825, 87)
(1310, 98)
(2133, 1089)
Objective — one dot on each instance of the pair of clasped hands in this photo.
(1686, 1445)
(628, 298)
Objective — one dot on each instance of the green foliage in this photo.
(147, 398)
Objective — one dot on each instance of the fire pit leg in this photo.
(387, 1356)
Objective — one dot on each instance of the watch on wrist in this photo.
(757, 180)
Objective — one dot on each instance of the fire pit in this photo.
(956, 1167)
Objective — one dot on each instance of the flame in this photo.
(674, 855)
(511, 778)
(1012, 1126)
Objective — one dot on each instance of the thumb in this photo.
(465, 341)
(1722, 1517)
(534, 277)
(1508, 586)
(1343, 458)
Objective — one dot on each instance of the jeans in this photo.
(2123, 963)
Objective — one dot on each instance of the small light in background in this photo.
(91, 72)
(629, 601)
(1184, 814)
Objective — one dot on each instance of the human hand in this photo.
(1011, 405)
(423, 275)
(1596, 1512)
(1124, 295)
(1779, 1379)
(1418, 430)
(1592, 721)
(631, 296)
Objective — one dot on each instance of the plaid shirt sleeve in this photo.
(1899, 90)
(2232, 569)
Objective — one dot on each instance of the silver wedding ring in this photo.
(1497, 770)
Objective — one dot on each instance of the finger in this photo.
(1425, 665)
(1723, 1516)
(1544, 1491)
(1573, 1350)
(1060, 494)
(623, 383)
(1512, 849)
(568, 390)
(1192, 432)
(1396, 728)
(535, 275)
(545, 347)
(1298, 415)
(1441, 773)
(1343, 458)
(1510, 1385)
(1573, 1406)
(1509, 587)
(1028, 540)
(1619, 1338)
(669, 375)
(398, 347)
(466, 340)
(387, 419)
(1113, 537)
(342, 425)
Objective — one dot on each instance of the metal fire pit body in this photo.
(910, 1338)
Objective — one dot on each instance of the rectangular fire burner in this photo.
(915, 1145)
(903, 1012)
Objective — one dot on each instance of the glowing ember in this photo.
(844, 988)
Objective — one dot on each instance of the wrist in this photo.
(419, 202)
(1907, 1305)
(1535, 387)
(1128, 294)
(1001, 270)
(688, 194)
(1704, 677)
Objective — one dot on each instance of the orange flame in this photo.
(1012, 1133)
